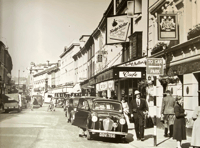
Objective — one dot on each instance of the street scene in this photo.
(99, 73)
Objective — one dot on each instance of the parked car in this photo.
(101, 117)
(12, 102)
(71, 108)
(60, 102)
(38, 100)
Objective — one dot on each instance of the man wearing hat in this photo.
(138, 110)
(167, 112)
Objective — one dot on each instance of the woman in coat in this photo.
(196, 128)
(179, 124)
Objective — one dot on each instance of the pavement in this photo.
(162, 142)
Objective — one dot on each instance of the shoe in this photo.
(165, 135)
(138, 139)
(142, 139)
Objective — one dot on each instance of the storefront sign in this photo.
(103, 86)
(136, 63)
(167, 27)
(111, 85)
(118, 29)
(130, 74)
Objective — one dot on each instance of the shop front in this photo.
(121, 80)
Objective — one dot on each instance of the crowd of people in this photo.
(173, 116)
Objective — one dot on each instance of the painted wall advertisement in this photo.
(167, 27)
(118, 29)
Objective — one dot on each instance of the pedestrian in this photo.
(179, 123)
(31, 103)
(167, 113)
(195, 142)
(126, 110)
(138, 110)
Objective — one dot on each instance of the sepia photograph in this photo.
(99, 73)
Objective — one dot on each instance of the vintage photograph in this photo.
(99, 73)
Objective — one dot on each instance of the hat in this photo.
(137, 92)
(178, 98)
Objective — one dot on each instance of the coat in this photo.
(196, 128)
(179, 123)
(168, 104)
(138, 111)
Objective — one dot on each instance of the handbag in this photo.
(149, 122)
(189, 122)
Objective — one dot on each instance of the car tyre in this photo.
(6, 111)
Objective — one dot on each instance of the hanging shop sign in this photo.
(130, 74)
(167, 27)
(118, 29)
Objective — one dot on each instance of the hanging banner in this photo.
(167, 27)
(118, 29)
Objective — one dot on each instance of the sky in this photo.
(38, 30)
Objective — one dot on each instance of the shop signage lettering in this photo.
(118, 29)
(129, 74)
(137, 63)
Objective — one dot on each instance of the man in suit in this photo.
(138, 110)
(167, 112)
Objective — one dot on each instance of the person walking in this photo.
(31, 103)
(179, 123)
(126, 110)
(195, 142)
(138, 110)
(167, 112)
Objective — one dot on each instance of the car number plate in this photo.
(107, 135)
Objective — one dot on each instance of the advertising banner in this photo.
(167, 27)
(118, 29)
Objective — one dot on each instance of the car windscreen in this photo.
(106, 105)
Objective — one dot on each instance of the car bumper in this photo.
(107, 132)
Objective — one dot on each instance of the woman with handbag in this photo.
(195, 142)
(179, 124)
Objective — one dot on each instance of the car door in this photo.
(81, 114)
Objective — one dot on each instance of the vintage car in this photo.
(12, 102)
(38, 100)
(101, 117)
(60, 102)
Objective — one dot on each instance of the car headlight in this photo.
(122, 121)
(94, 118)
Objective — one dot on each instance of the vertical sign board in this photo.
(118, 29)
(154, 66)
(167, 27)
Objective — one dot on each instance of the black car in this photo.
(101, 117)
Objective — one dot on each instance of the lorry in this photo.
(12, 102)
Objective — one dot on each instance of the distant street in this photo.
(42, 129)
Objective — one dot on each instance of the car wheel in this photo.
(89, 135)
(40, 105)
(6, 111)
